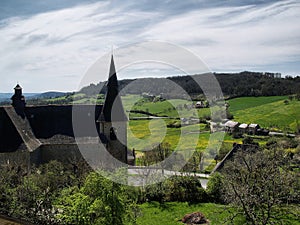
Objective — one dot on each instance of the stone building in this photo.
(38, 134)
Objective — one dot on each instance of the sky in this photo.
(49, 45)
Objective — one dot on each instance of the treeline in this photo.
(257, 84)
(232, 84)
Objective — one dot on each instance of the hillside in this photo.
(277, 112)
(273, 112)
(232, 85)
(32, 98)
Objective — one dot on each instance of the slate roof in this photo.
(253, 125)
(231, 124)
(18, 87)
(243, 126)
(112, 109)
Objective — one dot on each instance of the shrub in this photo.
(215, 187)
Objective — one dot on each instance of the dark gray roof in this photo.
(18, 87)
(112, 109)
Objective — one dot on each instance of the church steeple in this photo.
(112, 120)
(112, 109)
(18, 100)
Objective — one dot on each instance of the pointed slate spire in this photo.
(112, 109)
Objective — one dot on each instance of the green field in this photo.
(172, 108)
(171, 213)
(142, 134)
(243, 103)
(268, 112)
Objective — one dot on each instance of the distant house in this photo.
(148, 96)
(231, 126)
(272, 75)
(277, 75)
(224, 120)
(243, 128)
(252, 128)
(200, 104)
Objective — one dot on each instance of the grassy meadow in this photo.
(269, 112)
(171, 213)
(173, 108)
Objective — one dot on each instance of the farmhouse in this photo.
(253, 128)
(201, 104)
(231, 126)
(38, 134)
(243, 128)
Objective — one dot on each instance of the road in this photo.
(139, 176)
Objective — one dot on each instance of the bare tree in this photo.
(261, 185)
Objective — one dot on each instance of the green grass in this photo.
(269, 112)
(243, 103)
(174, 108)
(171, 213)
(142, 134)
(78, 98)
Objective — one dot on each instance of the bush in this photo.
(30, 196)
(177, 188)
(215, 187)
(98, 201)
(155, 192)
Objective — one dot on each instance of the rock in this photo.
(194, 218)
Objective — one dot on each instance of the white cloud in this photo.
(243, 37)
(52, 50)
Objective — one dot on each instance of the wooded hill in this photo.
(232, 85)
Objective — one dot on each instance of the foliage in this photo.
(225, 148)
(177, 188)
(249, 141)
(193, 164)
(185, 189)
(30, 195)
(157, 154)
(98, 201)
(215, 187)
(239, 84)
(9, 179)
